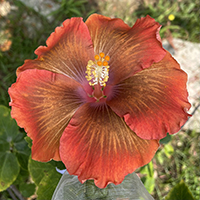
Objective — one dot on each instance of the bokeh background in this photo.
(26, 24)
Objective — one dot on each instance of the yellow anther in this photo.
(97, 71)
(105, 63)
(96, 57)
(102, 54)
(107, 58)
(99, 63)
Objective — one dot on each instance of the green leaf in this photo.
(38, 170)
(9, 169)
(4, 146)
(48, 184)
(149, 184)
(29, 141)
(168, 149)
(45, 177)
(8, 126)
(166, 139)
(23, 160)
(148, 179)
(147, 169)
(27, 189)
(171, 27)
(22, 147)
(22, 177)
(70, 188)
(180, 192)
(160, 157)
(19, 137)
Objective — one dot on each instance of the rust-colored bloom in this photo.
(99, 97)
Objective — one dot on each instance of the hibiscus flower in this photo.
(99, 97)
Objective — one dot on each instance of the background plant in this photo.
(186, 13)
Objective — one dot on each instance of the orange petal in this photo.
(43, 103)
(130, 49)
(153, 101)
(68, 50)
(97, 144)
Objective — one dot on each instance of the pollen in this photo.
(97, 70)
(96, 57)
(105, 63)
(102, 55)
(99, 63)
(107, 58)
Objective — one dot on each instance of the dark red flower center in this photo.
(97, 75)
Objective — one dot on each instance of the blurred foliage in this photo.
(186, 22)
(14, 154)
(70, 9)
(45, 177)
(148, 178)
(28, 30)
(180, 192)
(186, 15)
(178, 160)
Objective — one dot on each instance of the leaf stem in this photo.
(11, 194)
(17, 193)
